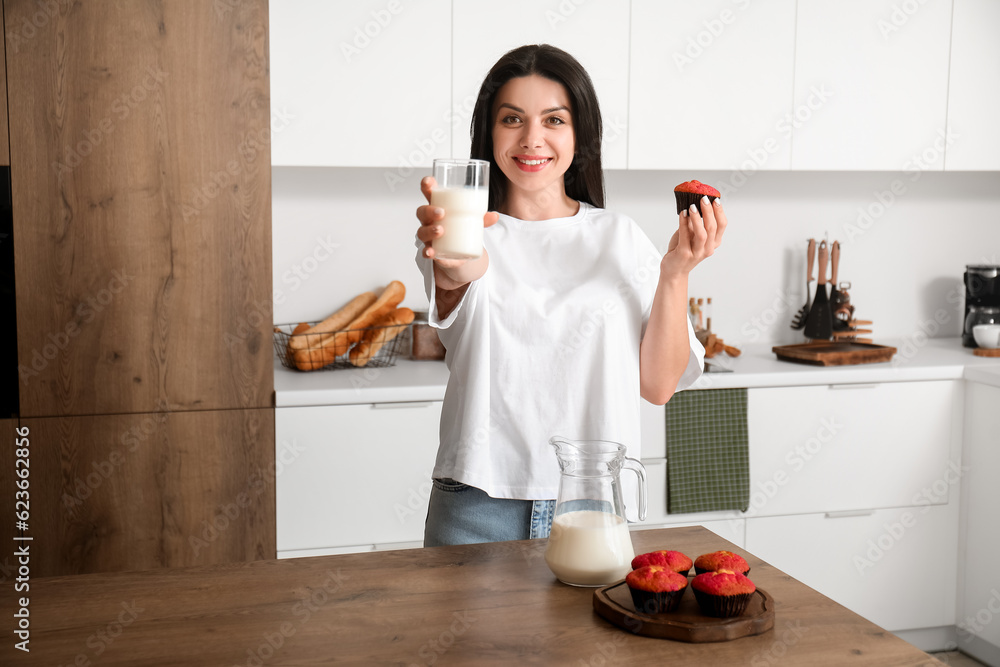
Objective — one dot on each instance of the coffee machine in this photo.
(982, 299)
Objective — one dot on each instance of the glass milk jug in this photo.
(590, 544)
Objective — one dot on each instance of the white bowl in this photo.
(987, 335)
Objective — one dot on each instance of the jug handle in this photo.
(640, 472)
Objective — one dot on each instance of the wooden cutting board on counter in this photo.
(834, 353)
(686, 623)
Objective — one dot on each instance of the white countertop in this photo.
(757, 366)
(925, 359)
(407, 381)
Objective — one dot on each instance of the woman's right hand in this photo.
(430, 226)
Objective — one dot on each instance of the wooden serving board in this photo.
(686, 623)
(834, 353)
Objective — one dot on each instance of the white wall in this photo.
(338, 232)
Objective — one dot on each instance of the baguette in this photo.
(314, 358)
(375, 339)
(391, 297)
(323, 352)
(289, 352)
(335, 322)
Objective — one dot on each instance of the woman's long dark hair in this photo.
(584, 179)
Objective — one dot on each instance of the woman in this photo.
(569, 316)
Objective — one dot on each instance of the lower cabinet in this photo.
(895, 567)
(354, 476)
(979, 598)
(854, 491)
(143, 491)
(846, 447)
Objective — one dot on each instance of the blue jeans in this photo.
(461, 514)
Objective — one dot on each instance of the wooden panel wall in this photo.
(4, 146)
(141, 196)
(142, 491)
(8, 563)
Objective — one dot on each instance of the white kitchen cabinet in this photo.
(360, 84)
(596, 33)
(979, 596)
(855, 491)
(846, 447)
(973, 94)
(883, 68)
(361, 475)
(711, 85)
(895, 567)
(653, 426)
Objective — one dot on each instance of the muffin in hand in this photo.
(691, 192)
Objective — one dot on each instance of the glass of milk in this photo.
(462, 190)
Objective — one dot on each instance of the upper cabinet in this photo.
(882, 67)
(141, 198)
(973, 94)
(875, 85)
(711, 84)
(595, 33)
(362, 84)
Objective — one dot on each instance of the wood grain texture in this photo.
(4, 141)
(685, 622)
(141, 192)
(834, 353)
(8, 564)
(142, 491)
(486, 604)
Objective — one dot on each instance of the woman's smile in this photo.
(531, 162)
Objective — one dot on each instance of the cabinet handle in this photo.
(849, 514)
(395, 406)
(870, 385)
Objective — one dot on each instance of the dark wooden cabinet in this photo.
(141, 195)
(4, 146)
(139, 491)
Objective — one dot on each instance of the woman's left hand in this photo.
(698, 234)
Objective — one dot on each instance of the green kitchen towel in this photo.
(708, 465)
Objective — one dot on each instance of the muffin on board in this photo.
(672, 560)
(655, 589)
(722, 594)
(721, 560)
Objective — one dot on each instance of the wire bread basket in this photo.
(305, 359)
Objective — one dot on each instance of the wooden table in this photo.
(489, 604)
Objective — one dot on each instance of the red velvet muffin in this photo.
(672, 560)
(721, 560)
(722, 594)
(691, 192)
(655, 589)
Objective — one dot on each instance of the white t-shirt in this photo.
(546, 343)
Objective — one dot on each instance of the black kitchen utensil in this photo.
(799, 320)
(819, 322)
